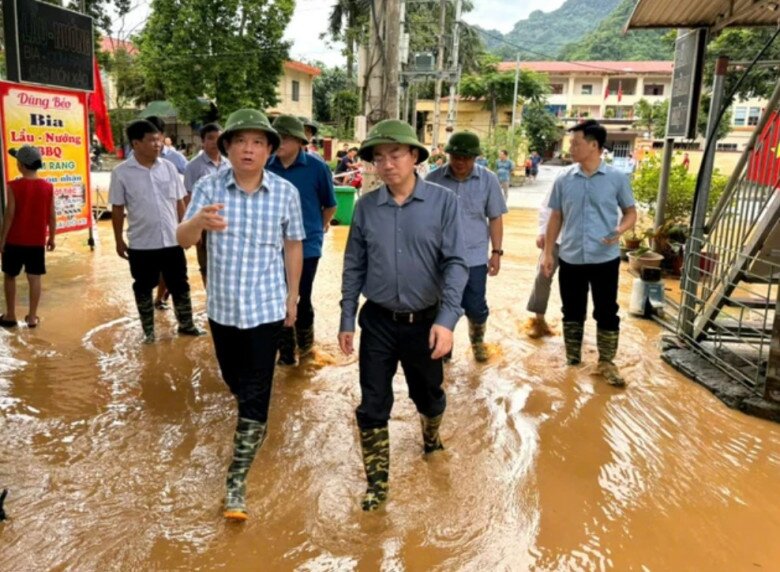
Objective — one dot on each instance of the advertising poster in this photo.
(54, 121)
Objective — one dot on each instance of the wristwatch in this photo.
(500, 252)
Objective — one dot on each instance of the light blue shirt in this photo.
(246, 286)
(150, 198)
(178, 160)
(589, 208)
(201, 166)
(479, 199)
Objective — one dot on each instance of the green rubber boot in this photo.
(286, 346)
(145, 306)
(572, 338)
(182, 307)
(477, 337)
(375, 444)
(247, 440)
(430, 433)
(305, 340)
(608, 344)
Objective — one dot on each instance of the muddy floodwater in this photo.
(115, 453)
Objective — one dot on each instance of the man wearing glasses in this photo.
(405, 254)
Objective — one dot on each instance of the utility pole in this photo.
(439, 73)
(382, 62)
(514, 103)
(454, 67)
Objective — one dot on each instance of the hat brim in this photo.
(366, 151)
(299, 136)
(272, 134)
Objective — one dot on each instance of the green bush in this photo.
(500, 139)
(682, 187)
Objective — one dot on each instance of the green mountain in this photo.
(608, 43)
(544, 34)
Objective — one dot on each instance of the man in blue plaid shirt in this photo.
(255, 226)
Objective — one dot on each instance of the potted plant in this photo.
(643, 256)
(668, 240)
(632, 240)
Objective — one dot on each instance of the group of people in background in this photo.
(257, 202)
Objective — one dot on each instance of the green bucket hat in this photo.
(311, 124)
(244, 120)
(291, 126)
(391, 131)
(464, 144)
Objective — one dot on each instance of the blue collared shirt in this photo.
(479, 199)
(590, 210)
(314, 182)
(246, 285)
(405, 257)
(178, 160)
(201, 166)
(504, 170)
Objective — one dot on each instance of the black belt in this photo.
(428, 314)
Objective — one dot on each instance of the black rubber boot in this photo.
(572, 338)
(287, 346)
(247, 440)
(375, 444)
(182, 307)
(305, 340)
(145, 306)
(430, 432)
(608, 344)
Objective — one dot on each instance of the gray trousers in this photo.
(540, 295)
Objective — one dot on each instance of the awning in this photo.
(712, 14)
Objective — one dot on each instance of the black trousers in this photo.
(383, 343)
(147, 265)
(247, 359)
(305, 317)
(602, 279)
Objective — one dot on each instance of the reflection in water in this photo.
(115, 452)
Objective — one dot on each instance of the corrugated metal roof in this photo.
(713, 14)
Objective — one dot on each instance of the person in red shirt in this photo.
(23, 243)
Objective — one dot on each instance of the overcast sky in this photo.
(311, 16)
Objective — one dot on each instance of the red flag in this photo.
(620, 91)
(606, 90)
(97, 105)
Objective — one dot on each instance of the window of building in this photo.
(296, 90)
(587, 89)
(654, 89)
(740, 114)
(727, 147)
(557, 110)
(556, 88)
(754, 115)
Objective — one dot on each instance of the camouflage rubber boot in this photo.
(182, 307)
(430, 433)
(305, 340)
(286, 346)
(248, 439)
(572, 338)
(375, 444)
(145, 306)
(477, 337)
(608, 344)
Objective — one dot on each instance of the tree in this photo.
(229, 51)
(651, 117)
(348, 21)
(331, 81)
(497, 88)
(346, 105)
(724, 127)
(541, 128)
(744, 44)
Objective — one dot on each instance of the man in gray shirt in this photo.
(405, 254)
(482, 207)
(209, 162)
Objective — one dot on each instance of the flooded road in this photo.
(115, 452)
